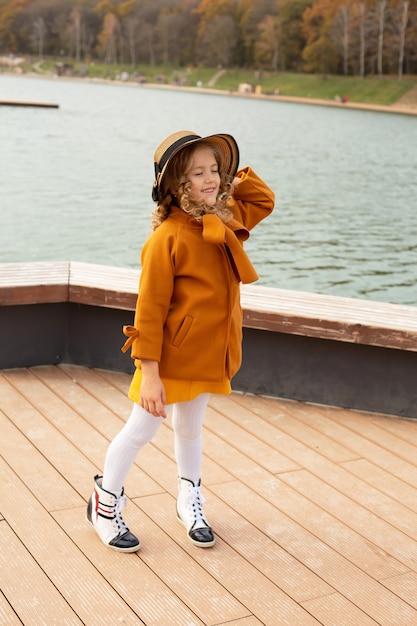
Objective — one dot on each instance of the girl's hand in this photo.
(236, 181)
(152, 391)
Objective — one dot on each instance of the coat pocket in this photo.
(182, 331)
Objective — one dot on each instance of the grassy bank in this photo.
(383, 91)
(369, 90)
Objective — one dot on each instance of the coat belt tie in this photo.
(217, 232)
(131, 333)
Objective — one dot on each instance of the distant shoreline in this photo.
(399, 109)
(378, 108)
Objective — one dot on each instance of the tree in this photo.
(39, 30)
(147, 15)
(381, 7)
(359, 18)
(9, 14)
(168, 26)
(267, 45)
(107, 39)
(292, 39)
(319, 53)
(340, 32)
(404, 9)
(410, 43)
(74, 31)
(215, 47)
(250, 13)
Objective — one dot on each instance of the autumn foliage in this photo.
(351, 37)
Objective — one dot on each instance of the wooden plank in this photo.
(404, 586)
(246, 621)
(32, 274)
(265, 554)
(65, 456)
(384, 481)
(21, 103)
(373, 432)
(394, 533)
(330, 317)
(34, 468)
(99, 285)
(326, 420)
(369, 498)
(135, 577)
(261, 597)
(267, 455)
(104, 277)
(98, 387)
(117, 379)
(105, 298)
(327, 527)
(63, 563)
(259, 506)
(325, 328)
(326, 609)
(30, 593)
(238, 409)
(321, 306)
(41, 294)
(8, 616)
(60, 429)
(405, 428)
(33, 283)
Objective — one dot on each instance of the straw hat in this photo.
(226, 145)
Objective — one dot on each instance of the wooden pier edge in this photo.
(264, 308)
(307, 346)
(21, 103)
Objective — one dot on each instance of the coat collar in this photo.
(230, 234)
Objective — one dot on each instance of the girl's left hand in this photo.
(152, 391)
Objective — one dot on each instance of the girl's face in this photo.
(204, 176)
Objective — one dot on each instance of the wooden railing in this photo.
(265, 308)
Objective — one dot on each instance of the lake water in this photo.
(75, 182)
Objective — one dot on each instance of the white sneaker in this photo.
(104, 515)
(190, 513)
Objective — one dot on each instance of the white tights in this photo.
(141, 427)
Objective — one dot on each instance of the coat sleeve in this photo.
(154, 298)
(252, 200)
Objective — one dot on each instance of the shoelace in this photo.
(195, 500)
(121, 503)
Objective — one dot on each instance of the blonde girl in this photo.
(187, 332)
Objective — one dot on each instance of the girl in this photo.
(187, 333)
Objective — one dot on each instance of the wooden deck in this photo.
(314, 509)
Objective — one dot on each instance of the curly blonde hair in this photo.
(175, 178)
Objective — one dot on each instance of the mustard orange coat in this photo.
(188, 315)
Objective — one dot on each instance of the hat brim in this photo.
(225, 144)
